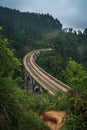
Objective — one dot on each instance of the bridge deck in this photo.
(45, 80)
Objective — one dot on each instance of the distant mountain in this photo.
(16, 22)
(24, 29)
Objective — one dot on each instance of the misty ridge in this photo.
(27, 20)
(71, 13)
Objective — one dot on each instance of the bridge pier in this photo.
(31, 84)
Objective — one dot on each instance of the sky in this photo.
(71, 13)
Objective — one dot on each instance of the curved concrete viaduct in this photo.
(36, 79)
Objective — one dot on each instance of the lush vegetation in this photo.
(24, 29)
(69, 49)
(67, 62)
(20, 110)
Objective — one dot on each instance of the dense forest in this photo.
(24, 29)
(22, 32)
(69, 51)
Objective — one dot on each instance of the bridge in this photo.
(38, 80)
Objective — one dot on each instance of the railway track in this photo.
(48, 82)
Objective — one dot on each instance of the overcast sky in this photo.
(71, 13)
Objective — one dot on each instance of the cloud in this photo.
(76, 14)
(71, 13)
(17, 4)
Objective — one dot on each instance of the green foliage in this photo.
(75, 74)
(77, 109)
(8, 62)
(16, 112)
(52, 63)
(9, 110)
(45, 102)
(15, 109)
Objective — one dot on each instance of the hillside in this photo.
(27, 21)
(24, 28)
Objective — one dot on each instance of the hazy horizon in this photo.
(71, 13)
